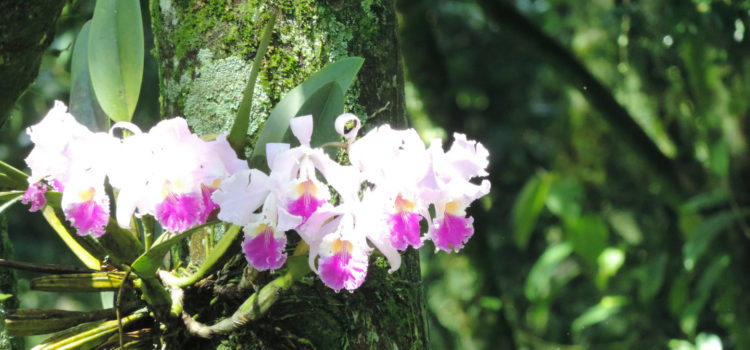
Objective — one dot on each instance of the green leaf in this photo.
(82, 103)
(609, 261)
(699, 240)
(528, 206)
(690, 314)
(238, 132)
(539, 281)
(324, 105)
(9, 198)
(214, 259)
(147, 264)
(652, 278)
(589, 235)
(626, 226)
(13, 178)
(121, 245)
(705, 200)
(608, 306)
(89, 335)
(115, 55)
(74, 244)
(79, 282)
(342, 72)
(564, 197)
(678, 293)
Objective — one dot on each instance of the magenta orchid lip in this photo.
(393, 183)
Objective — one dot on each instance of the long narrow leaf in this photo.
(115, 53)
(87, 258)
(15, 178)
(238, 133)
(8, 198)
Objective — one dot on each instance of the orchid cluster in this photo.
(392, 189)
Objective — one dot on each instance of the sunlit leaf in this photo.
(538, 283)
(89, 335)
(707, 341)
(79, 282)
(115, 55)
(624, 224)
(527, 207)
(24, 322)
(9, 198)
(608, 306)
(83, 254)
(609, 262)
(82, 103)
(12, 177)
(342, 72)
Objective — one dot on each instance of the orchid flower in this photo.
(181, 173)
(73, 160)
(51, 157)
(239, 196)
(394, 161)
(295, 170)
(446, 185)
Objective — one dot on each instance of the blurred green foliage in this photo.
(582, 243)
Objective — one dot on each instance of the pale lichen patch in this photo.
(214, 94)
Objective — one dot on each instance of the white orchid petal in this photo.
(240, 195)
(340, 125)
(273, 149)
(302, 128)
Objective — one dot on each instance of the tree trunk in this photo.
(205, 50)
(27, 28)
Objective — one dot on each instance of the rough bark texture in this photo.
(205, 50)
(27, 28)
(8, 287)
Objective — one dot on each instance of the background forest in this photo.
(619, 158)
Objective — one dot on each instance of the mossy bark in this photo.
(205, 50)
